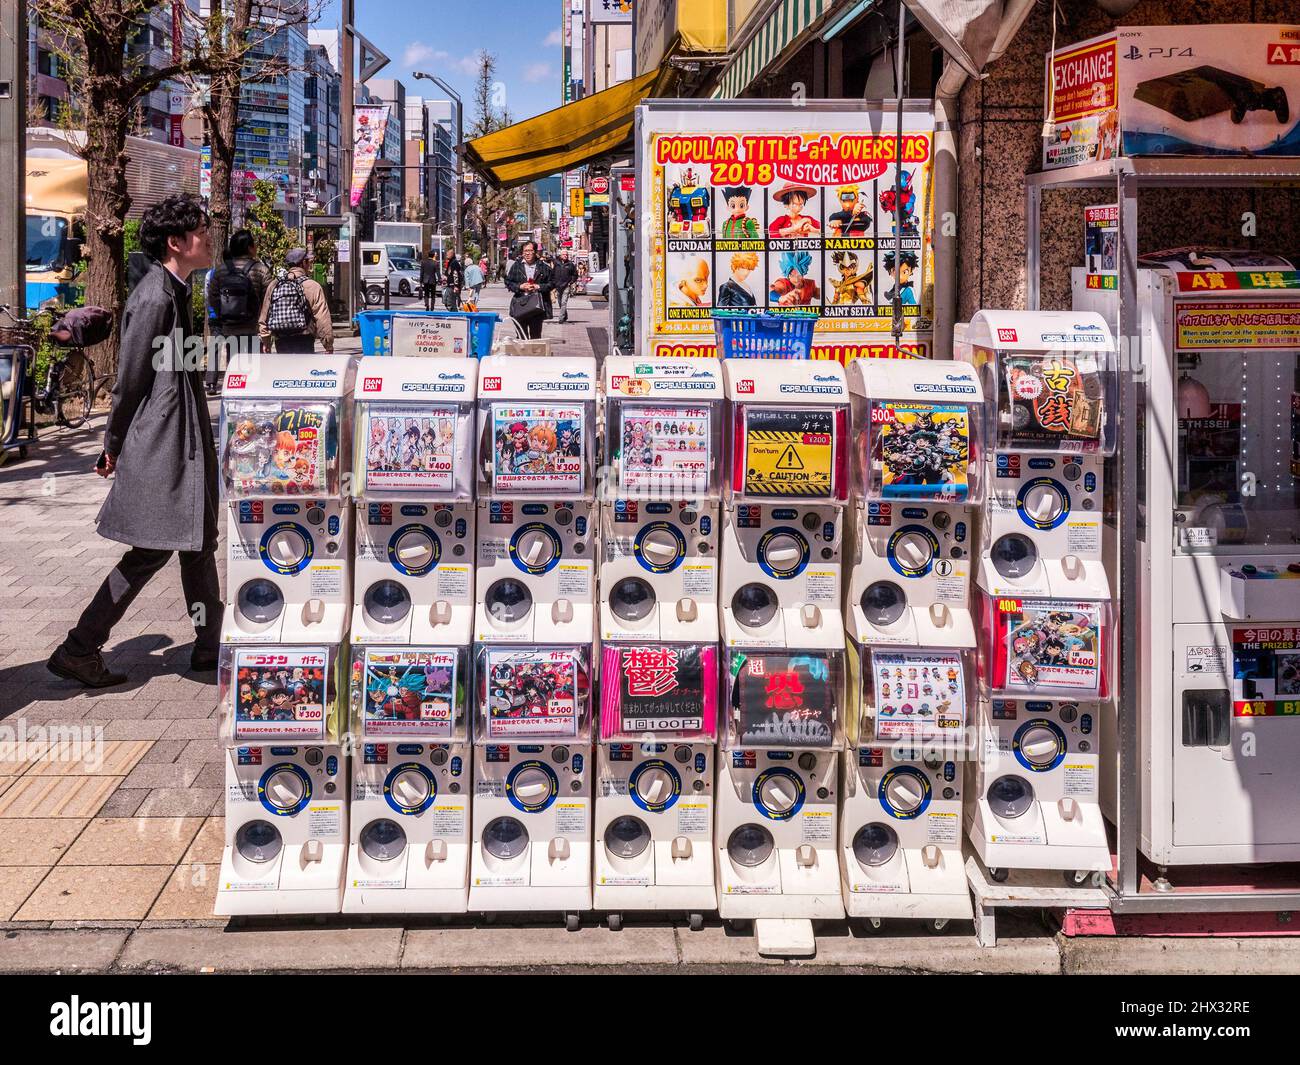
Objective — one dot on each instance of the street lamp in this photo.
(420, 75)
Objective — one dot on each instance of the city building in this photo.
(387, 185)
(321, 141)
(272, 116)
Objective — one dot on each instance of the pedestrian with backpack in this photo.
(236, 292)
(295, 313)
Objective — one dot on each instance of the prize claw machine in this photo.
(1046, 645)
(285, 436)
(917, 457)
(1219, 555)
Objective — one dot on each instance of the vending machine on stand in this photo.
(659, 624)
(1045, 604)
(918, 459)
(783, 637)
(285, 436)
(534, 633)
(412, 620)
(1219, 556)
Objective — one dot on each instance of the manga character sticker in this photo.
(537, 449)
(783, 699)
(410, 447)
(664, 689)
(923, 450)
(280, 694)
(408, 692)
(665, 447)
(1052, 644)
(789, 452)
(918, 694)
(1055, 402)
(533, 693)
(274, 449)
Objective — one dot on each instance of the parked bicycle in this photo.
(69, 387)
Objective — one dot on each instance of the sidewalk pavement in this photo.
(111, 802)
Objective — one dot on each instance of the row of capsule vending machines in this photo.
(525, 634)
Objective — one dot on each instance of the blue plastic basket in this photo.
(760, 335)
(376, 327)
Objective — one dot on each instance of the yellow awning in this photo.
(560, 139)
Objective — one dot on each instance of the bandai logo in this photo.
(491, 384)
(1007, 335)
(237, 380)
(745, 387)
(372, 384)
(617, 382)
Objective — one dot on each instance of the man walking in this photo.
(295, 313)
(564, 275)
(158, 449)
(430, 275)
(474, 281)
(235, 295)
(453, 281)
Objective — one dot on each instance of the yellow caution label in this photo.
(789, 453)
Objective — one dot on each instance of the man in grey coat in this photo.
(159, 450)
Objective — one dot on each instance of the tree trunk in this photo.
(107, 198)
(227, 43)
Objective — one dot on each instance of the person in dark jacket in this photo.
(430, 276)
(158, 448)
(235, 295)
(529, 274)
(564, 273)
(453, 278)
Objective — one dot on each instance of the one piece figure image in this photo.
(794, 223)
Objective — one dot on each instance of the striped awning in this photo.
(786, 23)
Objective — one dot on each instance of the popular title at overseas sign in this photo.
(785, 210)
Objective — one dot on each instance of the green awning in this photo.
(784, 25)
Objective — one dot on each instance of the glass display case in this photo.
(279, 694)
(530, 694)
(784, 699)
(411, 693)
(1046, 647)
(660, 691)
(276, 448)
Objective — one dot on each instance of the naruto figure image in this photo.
(853, 219)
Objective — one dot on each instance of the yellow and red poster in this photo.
(1230, 325)
(786, 209)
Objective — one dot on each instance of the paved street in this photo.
(111, 835)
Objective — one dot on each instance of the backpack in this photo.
(236, 298)
(288, 313)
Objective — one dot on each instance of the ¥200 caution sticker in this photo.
(789, 452)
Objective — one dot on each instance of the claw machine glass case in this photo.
(1219, 549)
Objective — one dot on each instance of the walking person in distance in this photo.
(529, 280)
(236, 293)
(295, 313)
(430, 275)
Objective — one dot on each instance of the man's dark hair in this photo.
(241, 245)
(174, 217)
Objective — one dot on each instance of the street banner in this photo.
(367, 141)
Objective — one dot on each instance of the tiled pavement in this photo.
(128, 827)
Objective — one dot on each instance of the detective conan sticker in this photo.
(919, 694)
(533, 693)
(784, 699)
(537, 449)
(924, 450)
(408, 692)
(277, 448)
(665, 447)
(410, 448)
(789, 452)
(280, 694)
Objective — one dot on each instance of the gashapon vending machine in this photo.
(1046, 645)
(412, 620)
(783, 637)
(917, 457)
(285, 433)
(659, 624)
(1218, 549)
(534, 632)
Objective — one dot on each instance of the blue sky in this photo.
(443, 37)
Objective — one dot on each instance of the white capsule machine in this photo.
(408, 849)
(537, 527)
(285, 439)
(1046, 648)
(286, 818)
(531, 845)
(917, 438)
(1218, 552)
(414, 490)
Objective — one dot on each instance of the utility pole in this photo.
(13, 153)
(460, 155)
(347, 91)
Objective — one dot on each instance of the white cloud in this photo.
(436, 61)
(535, 72)
(554, 39)
(416, 52)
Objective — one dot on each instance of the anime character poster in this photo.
(280, 694)
(665, 447)
(918, 694)
(662, 689)
(408, 692)
(410, 448)
(924, 450)
(1051, 644)
(537, 449)
(1266, 671)
(784, 699)
(1055, 401)
(789, 452)
(278, 449)
(533, 693)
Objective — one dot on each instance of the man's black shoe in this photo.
(203, 661)
(87, 669)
